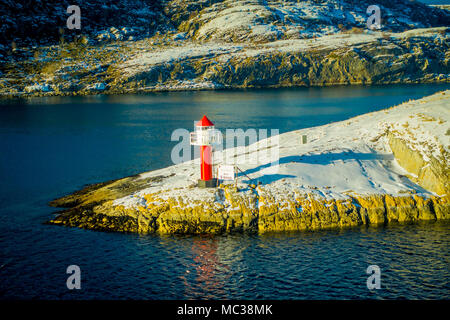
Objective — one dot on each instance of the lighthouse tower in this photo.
(204, 136)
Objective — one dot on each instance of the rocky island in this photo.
(143, 46)
(383, 167)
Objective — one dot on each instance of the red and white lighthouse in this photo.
(204, 136)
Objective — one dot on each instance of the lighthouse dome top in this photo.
(204, 122)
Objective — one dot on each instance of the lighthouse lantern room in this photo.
(205, 136)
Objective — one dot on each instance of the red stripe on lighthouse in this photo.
(206, 163)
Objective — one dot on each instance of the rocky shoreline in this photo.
(372, 210)
(177, 217)
(365, 58)
(167, 201)
(172, 45)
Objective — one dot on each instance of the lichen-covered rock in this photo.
(432, 175)
(441, 206)
(256, 213)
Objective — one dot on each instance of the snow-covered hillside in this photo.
(147, 45)
(268, 20)
(35, 22)
(158, 64)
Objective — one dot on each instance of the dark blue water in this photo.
(435, 1)
(53, 146)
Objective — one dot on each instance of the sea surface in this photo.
(50, 147)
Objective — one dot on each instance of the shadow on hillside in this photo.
(323, 159)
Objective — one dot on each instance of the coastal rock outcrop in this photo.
(356, 182)
(304, 213)
(433, 174)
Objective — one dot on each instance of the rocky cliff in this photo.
(243, 215)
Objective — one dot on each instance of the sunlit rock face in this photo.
(433, 175)
(307, 213)
(395, 171)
